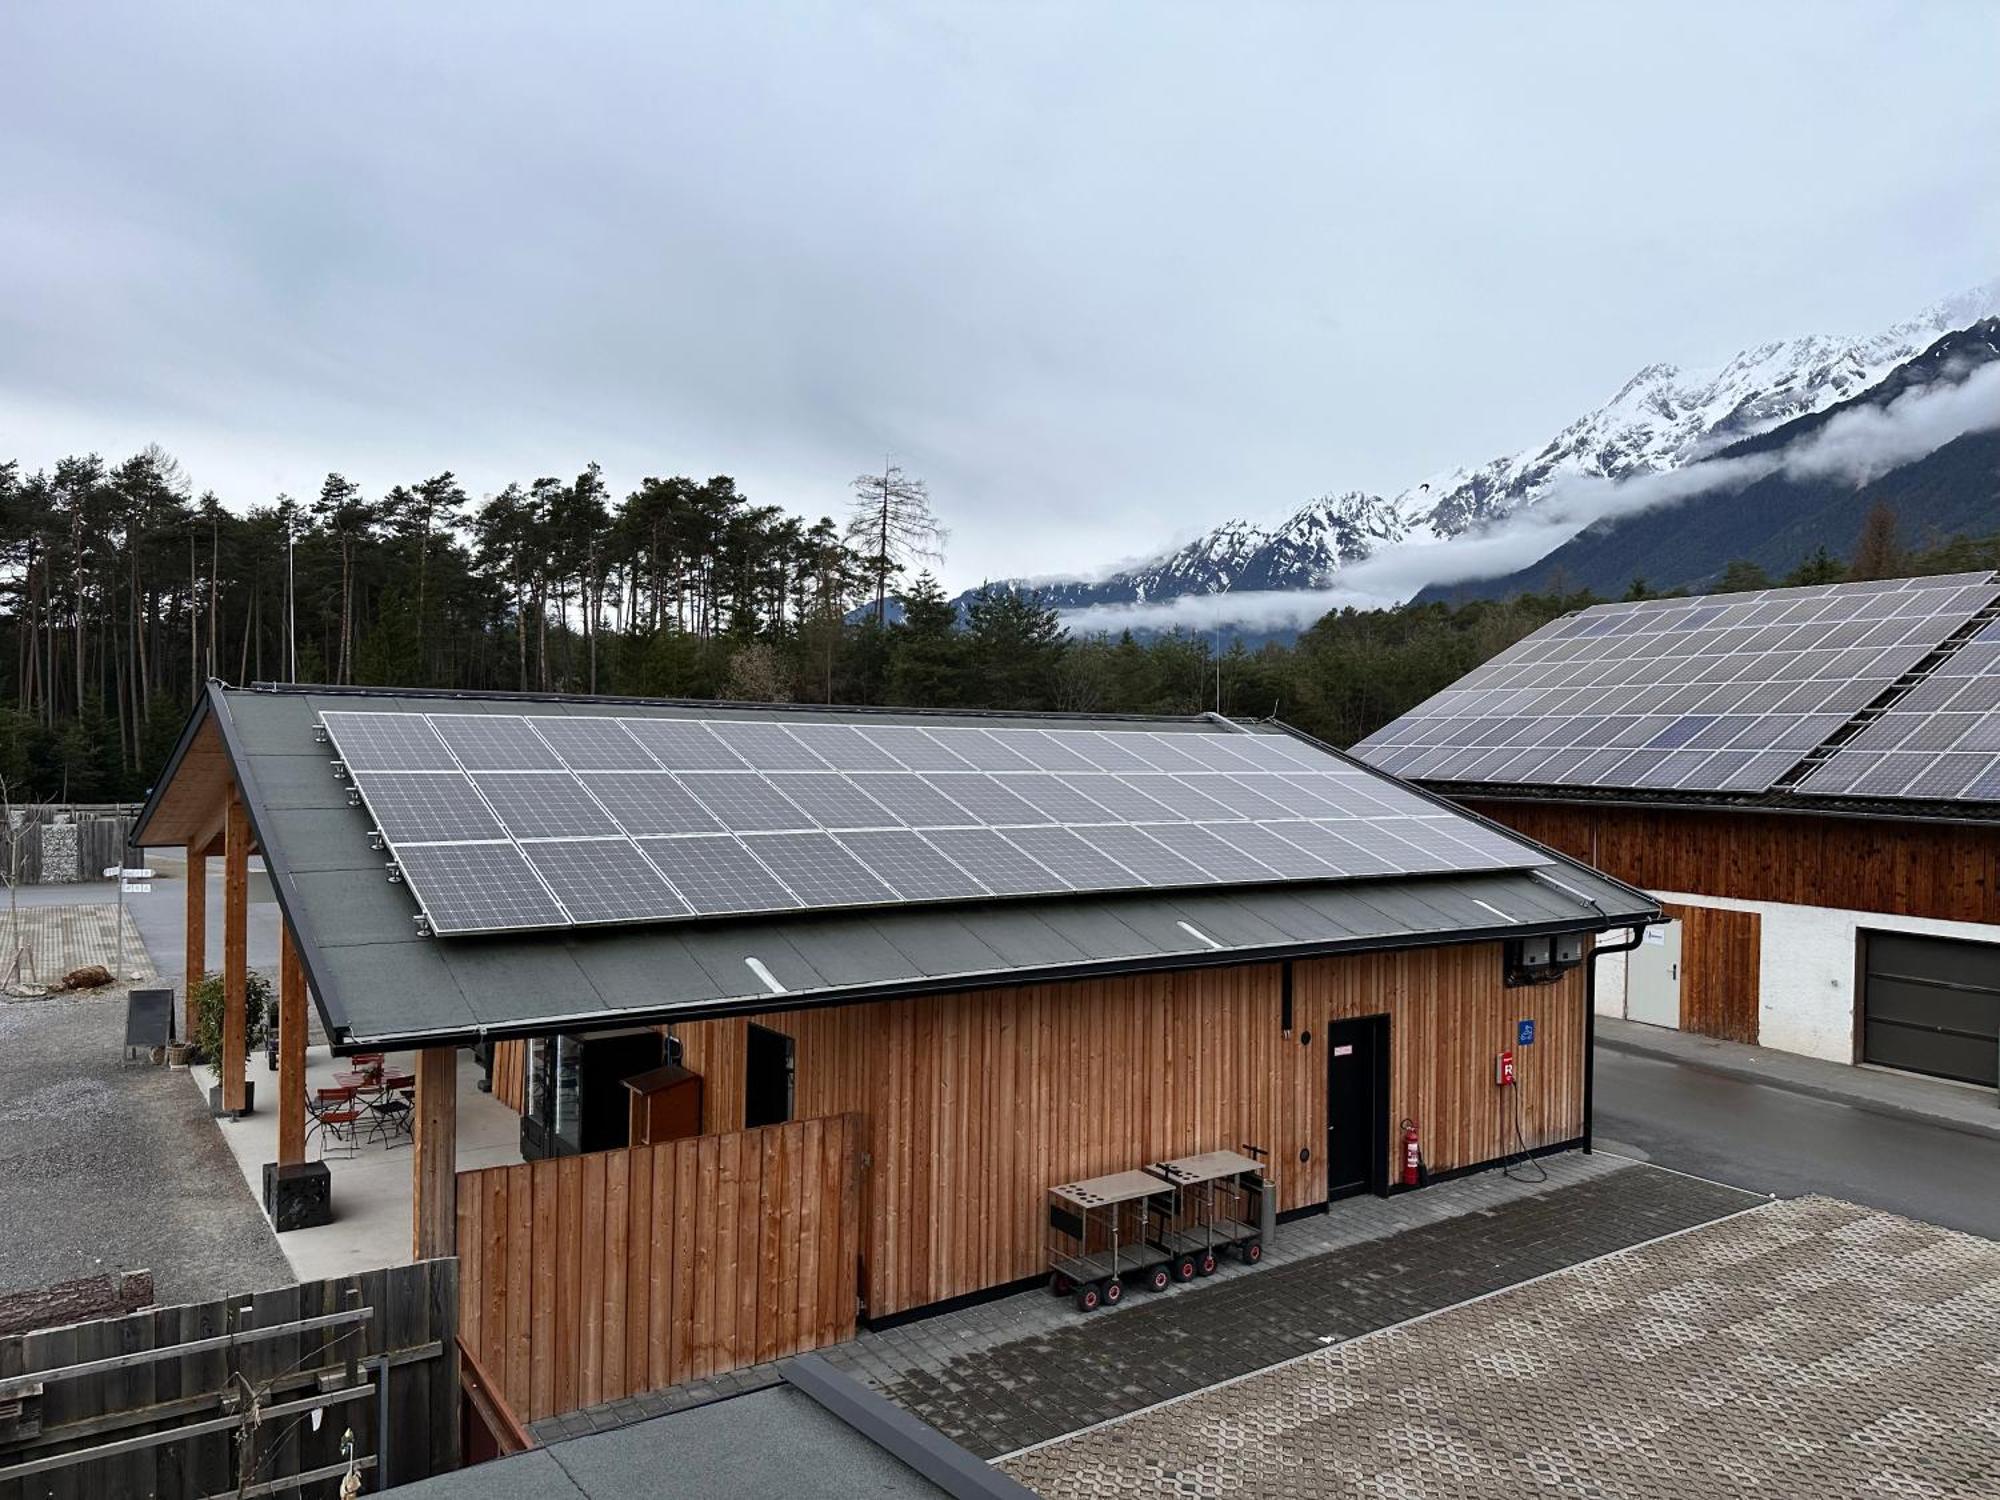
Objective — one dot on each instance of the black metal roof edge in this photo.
(462, 695)
(1667, 800)
(896, 1432)
(325, 993)
(995, 979)
(1422, 790)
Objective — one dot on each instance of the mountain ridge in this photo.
(1663, 417)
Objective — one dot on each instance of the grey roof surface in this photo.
(379, 983)
(772, 1442)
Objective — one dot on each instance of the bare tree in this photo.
(892, 524)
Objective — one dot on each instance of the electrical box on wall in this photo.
(1542, 960)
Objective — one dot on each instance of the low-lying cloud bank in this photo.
(1857, 445)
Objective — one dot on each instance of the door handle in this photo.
(1674, 972)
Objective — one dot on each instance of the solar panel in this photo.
(604, 880)
(593, 744)
(429, 807)
(649, 803)
(1698, 694)
(718, 875)
(518, 820)
(495, 742)
(545, 804)
(387, 742)
(1940, 742)
(911, 867)
(818, 870)
(478, 888)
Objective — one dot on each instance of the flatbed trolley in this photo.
(1224, 1201)
(1105, 1230)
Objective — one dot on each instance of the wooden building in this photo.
(1806, 780)
(1329, 955)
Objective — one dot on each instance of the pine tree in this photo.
(892, 524)
(1879, 551)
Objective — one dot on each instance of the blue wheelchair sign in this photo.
(1525, 1034)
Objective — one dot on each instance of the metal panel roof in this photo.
(379, 983)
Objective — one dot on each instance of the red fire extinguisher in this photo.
(1413, 1156)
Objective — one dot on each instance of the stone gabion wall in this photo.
(61, 849)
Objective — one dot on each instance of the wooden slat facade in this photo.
(976, 1104)
(510, 1074)
(1720, 970)
(585, 1279)
(1945, 870)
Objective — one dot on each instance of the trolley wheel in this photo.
(1184, 1268)
(1206, 1265)
(1113, 1290)
(1158, 1279)
(1252, 1251)
(1087, 1297)
(1060, 1284)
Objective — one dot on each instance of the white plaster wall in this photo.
(1808, 969)
(1611, 980)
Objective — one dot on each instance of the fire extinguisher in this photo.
(1413, 1156)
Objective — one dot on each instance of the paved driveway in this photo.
(1807, 1348)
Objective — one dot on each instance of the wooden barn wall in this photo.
(977, 1103)
(1450, 1016)
(1720, 970)
(1944, 870)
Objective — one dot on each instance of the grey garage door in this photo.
(1931, 1005)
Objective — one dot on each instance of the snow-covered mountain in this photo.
(1663, 417)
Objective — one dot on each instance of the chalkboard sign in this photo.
(149, 1018)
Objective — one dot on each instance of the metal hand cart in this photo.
(1105, 1230)
(1224, 1202)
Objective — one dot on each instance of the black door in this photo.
(767, 1082)
(1931, 1005)
(1357, 1104)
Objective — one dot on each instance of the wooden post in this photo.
(291, 1050)
(197, 935)
(235, 950)
(434, 1160)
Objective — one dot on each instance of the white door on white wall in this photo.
(1653, 977)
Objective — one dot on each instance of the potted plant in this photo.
(208, 1008)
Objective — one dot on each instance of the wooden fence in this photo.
(588, 1278)
(156, 1403)
(93, 841)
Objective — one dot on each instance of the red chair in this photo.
(336, 1115)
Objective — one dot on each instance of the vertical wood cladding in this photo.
(1720, 970)
(584, 1279)
(977, 1103)
(1945, 870)
(510, 1075)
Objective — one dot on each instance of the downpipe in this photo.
(1590, 1031)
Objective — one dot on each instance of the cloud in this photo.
(1854, 446)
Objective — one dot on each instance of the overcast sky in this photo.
(1102, 274)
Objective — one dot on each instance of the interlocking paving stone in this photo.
(1090, 1368)
(1810, 1348)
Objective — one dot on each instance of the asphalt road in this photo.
(1771, 1140)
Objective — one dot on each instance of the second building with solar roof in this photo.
(1807, 778)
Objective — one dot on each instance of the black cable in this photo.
(1509, 1166)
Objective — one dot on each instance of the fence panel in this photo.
(586, 1279)
(158, 1402)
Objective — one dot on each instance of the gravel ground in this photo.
(104, 1167)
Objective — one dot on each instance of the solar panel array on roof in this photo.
(500, 821)
(1722, 694)
(1940, 742)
